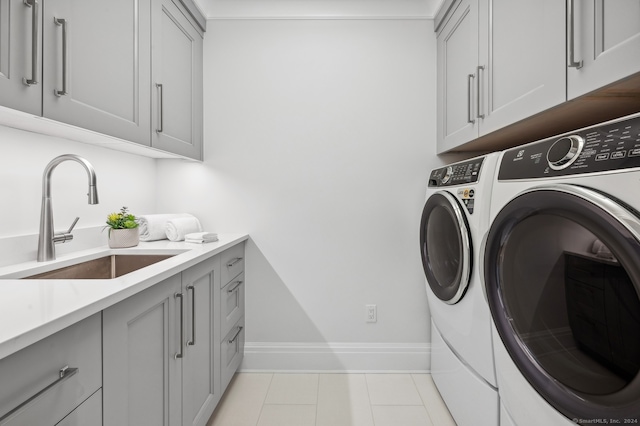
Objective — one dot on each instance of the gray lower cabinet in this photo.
(45, 382)
(89, 413)
(177, 79)
(161, 352)
(20, 84)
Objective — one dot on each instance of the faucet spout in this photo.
(47, 237)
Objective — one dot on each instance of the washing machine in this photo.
(454, 221)
(562, 277)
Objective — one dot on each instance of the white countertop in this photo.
(33, 309)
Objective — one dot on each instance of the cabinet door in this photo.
(19, 46)
(457, 79)
(522, 60)
(89, 413)
(607, 41)
(177, 79)
(104, 60)
(201, 369)
(142, 377)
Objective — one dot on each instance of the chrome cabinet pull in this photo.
(179, 353)
(235, 286)
(571, 61)
(192, 342)
(480, 68)
(63, 23)
(233, 262)
(64, 373)
(160, 129)
(470, 78)
(235, 336)
(34, 43)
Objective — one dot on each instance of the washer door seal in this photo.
(445, 247)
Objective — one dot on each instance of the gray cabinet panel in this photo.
(32, 369)
(200, 368)
(89, 413)
(177, 77)
(107, 68)
(141, 375)
(16, 52)
(607, 41)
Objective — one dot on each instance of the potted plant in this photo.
(123, 229)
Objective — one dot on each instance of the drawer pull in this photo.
(65, 44)
(34, 43)
(179, 354)
(192, 342)
(235, 286)
(235, 336)
(64, 374)
(160, 128)
(233, 262)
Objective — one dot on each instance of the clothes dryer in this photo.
(562, 277)
(455, 218)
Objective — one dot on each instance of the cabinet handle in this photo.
(34, 43)
(571, 61)
(179, 353)
(160, 128)
(480, 69)
(235, 336)
(235, 286)
(233, 262)
(192, 342)
(64, 373)
(470, 78)
(63, 23)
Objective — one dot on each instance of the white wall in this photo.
(319, 137)
(123, 179)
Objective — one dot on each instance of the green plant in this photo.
(122, 220)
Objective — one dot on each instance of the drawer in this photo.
(26, 373)
(231, 353)
(231, 304)
(89, 413)
(232, 263)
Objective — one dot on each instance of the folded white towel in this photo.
(201, 237)
(177, 228)
(153, 226)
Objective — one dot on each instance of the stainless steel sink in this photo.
(107, 267)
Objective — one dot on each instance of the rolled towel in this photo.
(153, 226)
(177, 228)
(201, 237)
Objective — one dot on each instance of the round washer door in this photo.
(445, 246)
(562, 275)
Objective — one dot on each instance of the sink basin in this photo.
(107, 267)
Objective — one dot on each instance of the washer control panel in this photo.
(456, 174)
(609, 146)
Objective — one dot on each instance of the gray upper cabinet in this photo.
(457, 62)
(499, 61)
(177, 80)
(606, 43)
(20, 48)
(96, 67)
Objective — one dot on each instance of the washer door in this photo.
(562, 274)
(445, 245)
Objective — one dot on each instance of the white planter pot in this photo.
(122, 238)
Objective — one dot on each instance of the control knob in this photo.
(447, 175)
(564, 152)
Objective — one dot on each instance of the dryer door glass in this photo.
(562, 271)
(445, 245)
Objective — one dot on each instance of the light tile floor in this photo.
(254, 399)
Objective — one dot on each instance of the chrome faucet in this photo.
(47, 238)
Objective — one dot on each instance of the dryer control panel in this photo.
(612, 145)
(462, 173)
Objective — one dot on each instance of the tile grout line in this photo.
(315, 422)
(424, 404)
(264, 399)
(366, 382)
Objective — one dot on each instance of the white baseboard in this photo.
(336, 357)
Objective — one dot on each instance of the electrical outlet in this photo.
(372, 313)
